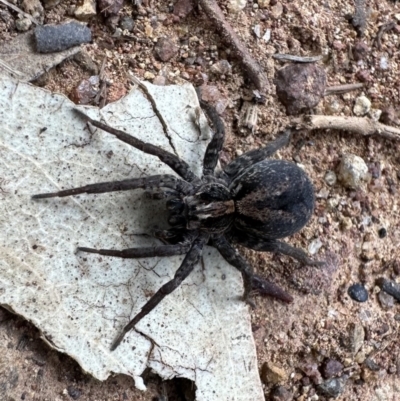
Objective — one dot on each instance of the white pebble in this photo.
(383, 63)
(237, 5)
(330, 178)
(362, 106)
(314, 246)
(353, 171)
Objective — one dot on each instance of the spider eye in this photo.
(176, 220)
(175, 205)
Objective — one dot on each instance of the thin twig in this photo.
(101, 94)
(297, 59)
(18, 10)
(384, 28)
(339, 89)
(252, 67)
(359, 125)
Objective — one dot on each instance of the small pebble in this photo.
(332, 387)
(330, 178)
(360, 51)
(389, 115)
(314, 246)
(384, 63)
(148, 75)
(277, 10)
(221, 67)
(331, 368)
(23, 24)
(165, 49)
(382, 232)
(390, 287)
(272, 374)
(358, 293)
(352, 171)
(85, 91)
(49, 4)
(74, 392)
(371, 365)
(280, 393)
(346, 223)
(375, 114)
(257, 31)
(109, 7)
(267, 36)
(362, 106)
(235, 6)
(300, 87)
(86, 10)
(263, 3)
(127, 23)
(55, 38)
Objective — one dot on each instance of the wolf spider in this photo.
(253, 202)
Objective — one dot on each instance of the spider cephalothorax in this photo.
(253, 202)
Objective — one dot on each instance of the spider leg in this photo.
(214, 147)
(144, 252)
(184, 270)
(154, 181)
(251, 280)
(258, 243)
(283, 248)
(234, 168)
(171, 160)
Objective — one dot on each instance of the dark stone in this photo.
(55, 38)
(371, 365)
(86, 91)
(382, 232)
(390, 287)
(331, 368)
(386, 300)
(74, 392)
(332, 387)
(165, 49)
(182, 8)
(110, 7)
(280, 393)
(389, 116)
(300, 87)
(127, 23)
(358, 293)
(360, 51)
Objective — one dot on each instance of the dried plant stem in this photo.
(339, 89)
(252, 67)
(359, 125)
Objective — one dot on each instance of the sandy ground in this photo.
(323, 334)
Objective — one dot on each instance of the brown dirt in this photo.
(321, 323)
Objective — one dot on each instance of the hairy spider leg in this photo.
(237, 166)
(171, 160)
(187, 266)
(215, 146)
(263, 245)
(250, 280)
(145, 252)
(153, 181)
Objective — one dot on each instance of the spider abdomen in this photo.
(273, 199)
